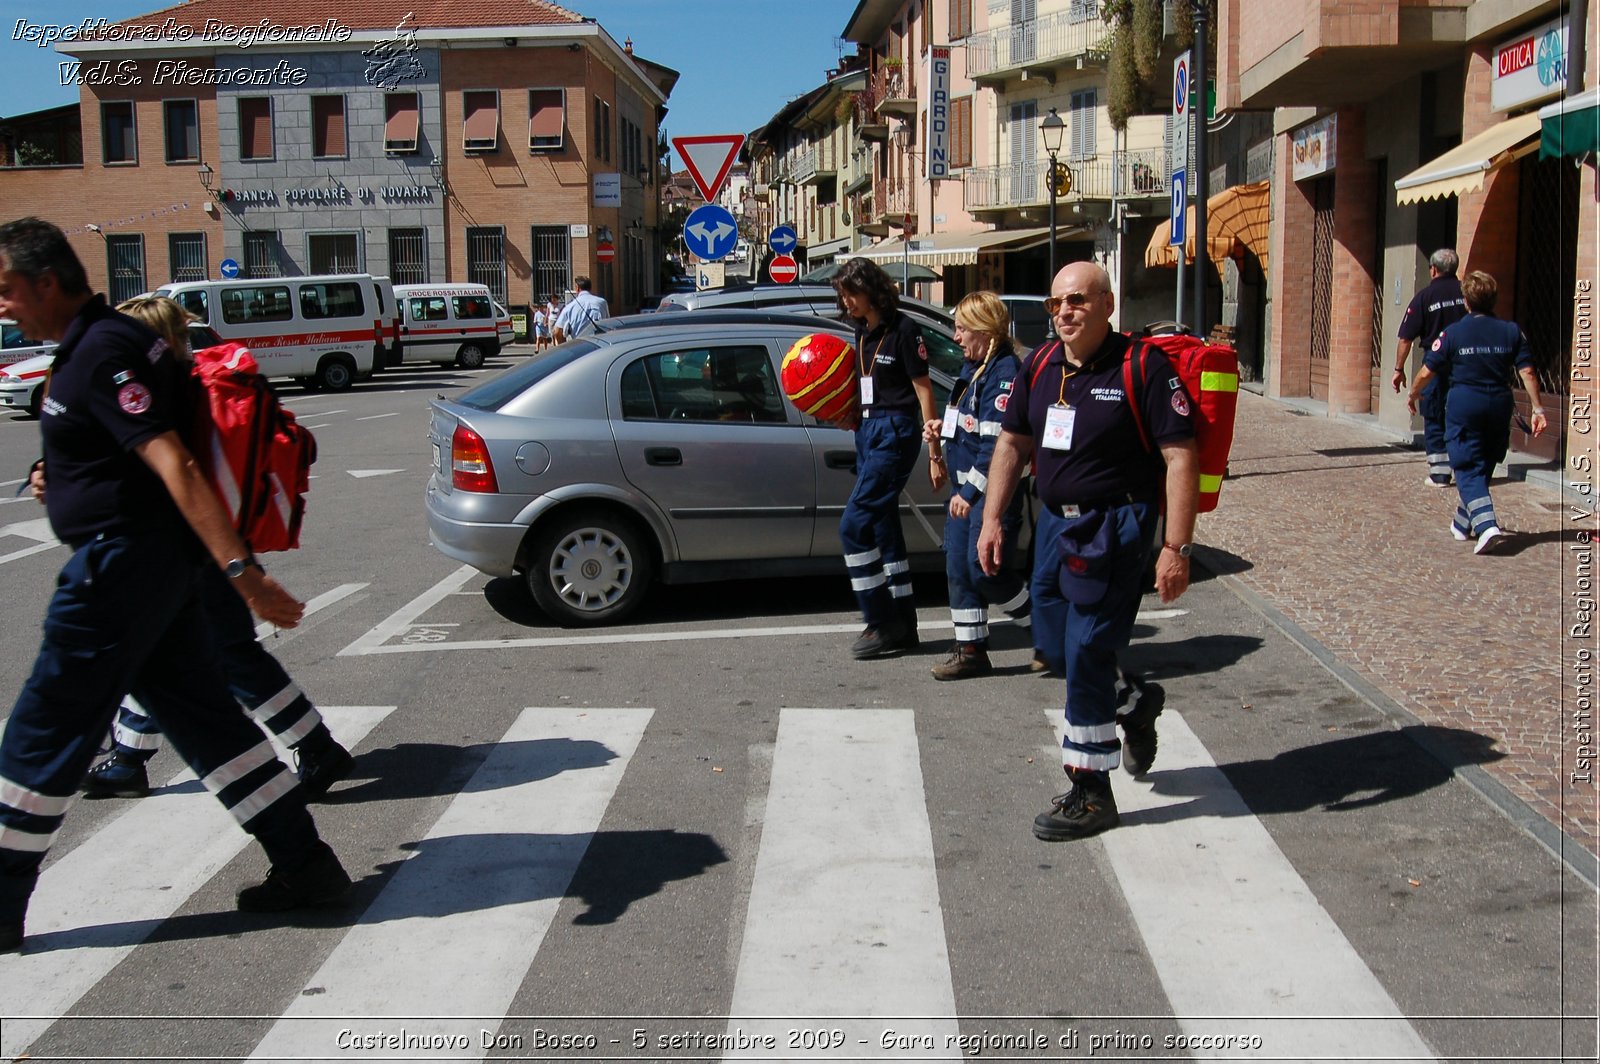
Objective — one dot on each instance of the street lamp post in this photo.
(1202, 257)
(902, 137)
(1052, 129)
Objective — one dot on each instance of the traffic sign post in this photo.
(1179, 177)
(710, 232)
(783, 269)
(709, 159)
(605, 253)
(783, 239)
(229, 269)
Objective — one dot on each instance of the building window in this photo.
(408, 256)
(552, 261)
(961, 132)
(186, 254)
(402, 118)
(486, 259)
(1083, 124)
(182, 120)
(327, 127)
(119, 142)
(480, 130)
(602, 130)
(333, 252)
(961, 18)
(1083, 11)
(547, 119)
(261, 253)
(125, 257)
(255, 127)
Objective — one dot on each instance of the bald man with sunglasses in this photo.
(1102, 495)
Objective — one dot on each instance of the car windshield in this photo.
(496, 392)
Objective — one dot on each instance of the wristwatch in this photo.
(235, 569)
(1183, 549)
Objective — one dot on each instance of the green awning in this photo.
(1571, 127)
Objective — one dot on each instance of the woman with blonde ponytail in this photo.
(969, 429)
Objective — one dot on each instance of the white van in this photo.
(447, 323)
(325, 331)
(15, 347)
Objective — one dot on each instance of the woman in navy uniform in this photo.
(896, 399)
(970, 428)
(1477, 355)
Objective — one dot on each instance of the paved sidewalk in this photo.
(1331, 524)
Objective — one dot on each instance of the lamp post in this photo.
(1052, 129)
(902, 137)
(1202, 255)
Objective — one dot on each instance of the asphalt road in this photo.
(709, 828)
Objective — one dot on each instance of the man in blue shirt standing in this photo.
(1438, 305)
(580, 315)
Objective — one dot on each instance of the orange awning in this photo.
(1237, 220)
(401, 122)
(547, 117)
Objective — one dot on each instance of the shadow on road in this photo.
(430, 770)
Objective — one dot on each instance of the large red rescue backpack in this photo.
(1210, 374)
(256, 457)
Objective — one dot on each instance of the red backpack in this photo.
(256, 457)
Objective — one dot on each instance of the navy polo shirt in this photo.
(1480, 351)
(895, 354)
(1438, 305)
(1107, 458)
(114, 384)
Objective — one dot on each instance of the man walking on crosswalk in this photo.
(1102, 491)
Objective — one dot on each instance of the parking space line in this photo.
(322, 601)
(406, 615)
(37, 548)
(374, 417)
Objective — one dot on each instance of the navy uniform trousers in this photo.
(972, 591)
(1477, 433)
(254, 676)
(1431, 407)
(127, 616)
(887, 446)
(1083, 642)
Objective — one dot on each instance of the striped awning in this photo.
(962, 249)
(1464, 168)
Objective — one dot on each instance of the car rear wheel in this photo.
(588, 568)
(470, 356)
(336, 373)
(36, 400)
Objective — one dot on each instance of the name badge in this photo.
(948, 432)
(1058, 422)
(866, 391)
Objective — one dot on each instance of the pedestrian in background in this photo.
(580, 315)
(1477, 355)
(255, 677)
(1101, 493)
(969, 430)
(895, 399)
(1430, 311)
(141, 521)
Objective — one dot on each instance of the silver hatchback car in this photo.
(657, 452)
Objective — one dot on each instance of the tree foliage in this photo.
(1148, 19)
(1122, 75)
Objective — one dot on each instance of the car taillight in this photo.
(470, 468)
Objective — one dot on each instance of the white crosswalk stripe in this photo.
(98, 902)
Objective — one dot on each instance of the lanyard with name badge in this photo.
(1059, 419)
(866, 374)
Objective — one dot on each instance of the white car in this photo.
(22, 383)
(504, 330)
(15, 347)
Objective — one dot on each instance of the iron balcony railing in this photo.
(817, 159)
(1123, 175)
(1067, 34)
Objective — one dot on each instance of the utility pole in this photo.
(1202, 257)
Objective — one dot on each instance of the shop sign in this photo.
(1314, 147)
(1531, 67)
(608, 190)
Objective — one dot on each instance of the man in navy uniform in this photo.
(129, 500)
(1102, 495)
(1438, 305)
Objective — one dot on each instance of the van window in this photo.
(336, 299)
(241, 306)
(194, 302)
(472, 307)
(429, 308)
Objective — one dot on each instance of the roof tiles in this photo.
(364, 14)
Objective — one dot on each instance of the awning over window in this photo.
(962, 249)
(1463, 168)
(1162, 252)
(547, 117)
(402, 121)
(482, 126)
(1571, 127)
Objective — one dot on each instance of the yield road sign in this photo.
(605, 253)
(1180, 207)
(709, 159)
(229, 268)
(783, 239)
(783, 269)
(710, 232)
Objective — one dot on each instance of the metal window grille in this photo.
(408, 256)
(261, 254)
(1321, 284)
(486, 259)
(186, 252)
(126, 255)
(333, 253)
(552, 261)
(1380, 223)
(1547, 245)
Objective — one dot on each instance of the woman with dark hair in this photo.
(896, 398)
(1477, 355)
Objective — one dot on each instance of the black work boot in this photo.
(118, 776)
(966, 660)
(1088, 809)
(317, 881)
(881, 642)
(321, 762)
(1145, 702)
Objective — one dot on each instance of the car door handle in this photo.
(663, 456)
(840, 460)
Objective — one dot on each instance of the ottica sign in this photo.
(1530, 67)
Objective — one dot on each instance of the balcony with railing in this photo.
(870, 125)
(1005, 51)
(894, 92)
(1121, 175)
(815, 164)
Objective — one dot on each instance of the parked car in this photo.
(15, 347)
(661, 448)
(448, 323)
(816, 298)
(22, 383)
(1029, 322)
(505, 331)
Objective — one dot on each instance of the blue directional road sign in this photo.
(228, 268)
(783, 239)
(710, 232)
(1180, 207)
